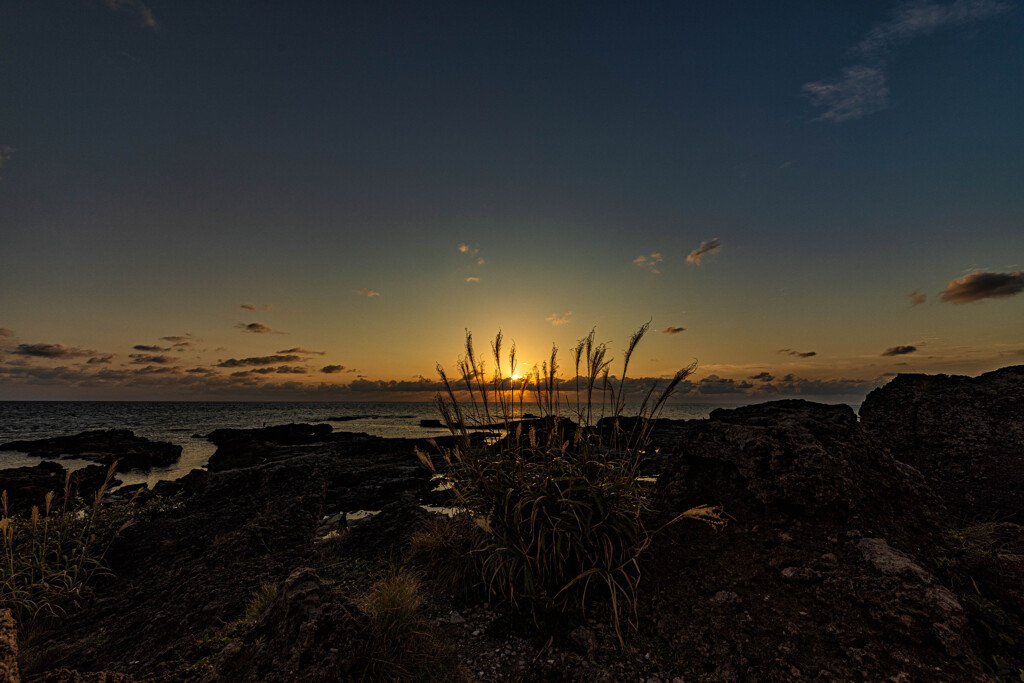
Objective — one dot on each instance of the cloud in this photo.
(480, 261)
(331, 369)
(649, 262)
(52, 351)
(799, 354)
(143, 347)
(363, 291)
(106, 358)
(917, 297)
(673, 330)
(140, 358)
(257, 328)
(180, 339)
(912, 19)
(979, 285)
(899, 350)
(713, 384)
(472, 279)
(257, 360)
(463, 248)
(705, 248)
(145, 14)
(299, 349)
(291, 370)
(4, 332)
(556, 319)
(763, 377)
(861, 89)
(255, 307)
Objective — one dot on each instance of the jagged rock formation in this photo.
(965, 434)
(825, 570)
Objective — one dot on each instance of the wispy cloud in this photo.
(861, 88)
(152, 349)
(256, 307)
(705, 248)
(899, 350)
(762, 377)
(257, 328)
(331, 369)
(364, 291)
(145, 14)
(472, 278)
(257, 361)
(651, 262)
(52, 351)
(556, 319)
(673, 330)
(104, 359)
(299, 349)
(799, 354)
(917, 297)
(980, 285)
(4, 332)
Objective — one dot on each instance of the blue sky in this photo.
(854, 170)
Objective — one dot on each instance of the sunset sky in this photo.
(276, 200)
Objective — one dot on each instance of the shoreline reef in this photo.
(883, 546)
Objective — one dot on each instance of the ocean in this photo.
(181, 422)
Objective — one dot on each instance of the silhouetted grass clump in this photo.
(52, 558)
(558, 515)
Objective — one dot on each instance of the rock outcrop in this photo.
(309, 632)
(103, 446)
(27, 486)
(823, 571)
(965, 435)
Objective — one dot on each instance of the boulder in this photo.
(965, 435)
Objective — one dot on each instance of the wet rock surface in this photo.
(103, 446)
(965, 434)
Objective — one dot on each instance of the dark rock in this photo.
(386, 534)
(103, 446)
(27, 486)
(965, 435)
(827, 551)
(167, 488)
(69, 676)
(308, 633)
(247, 447)
(432, 424)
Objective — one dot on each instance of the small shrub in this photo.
(558, 513)
(258, 603)
(52, 558)
(402, 645)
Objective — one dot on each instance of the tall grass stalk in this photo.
(51, 558)
(559, 515)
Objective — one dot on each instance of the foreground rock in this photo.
(827, 569)
(965, 434)
(245, 447)
(308, 632)
(27, 486)
(103, 446)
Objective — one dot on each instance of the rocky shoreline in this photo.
(888, 547)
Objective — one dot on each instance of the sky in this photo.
(271, 200)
